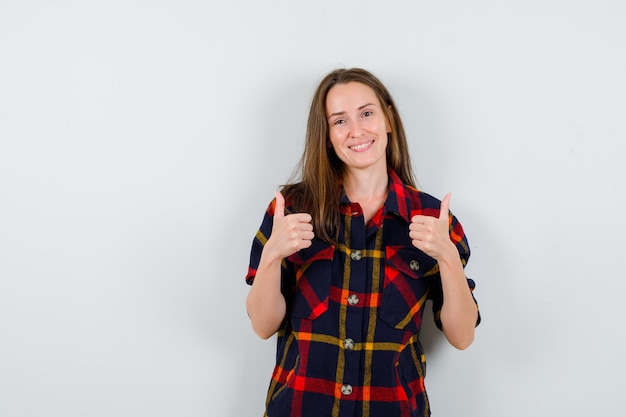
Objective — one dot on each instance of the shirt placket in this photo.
(355, 283)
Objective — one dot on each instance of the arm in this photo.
(459, 311)
(266, 304)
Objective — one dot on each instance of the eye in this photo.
(339, 122)
(367, 113)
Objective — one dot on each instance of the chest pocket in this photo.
(313, 268)
(409, 274)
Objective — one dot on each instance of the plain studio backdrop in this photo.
(141, 141)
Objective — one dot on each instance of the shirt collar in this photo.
(397, 199)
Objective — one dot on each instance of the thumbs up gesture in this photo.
(290, 232)
(430, 234)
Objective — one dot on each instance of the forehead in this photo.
(348, 96)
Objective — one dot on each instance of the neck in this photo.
(366, 185)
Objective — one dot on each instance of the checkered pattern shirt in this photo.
(349, 344)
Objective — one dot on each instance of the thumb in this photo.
(445, 207)
(279, 210)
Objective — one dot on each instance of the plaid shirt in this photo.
(349, 344)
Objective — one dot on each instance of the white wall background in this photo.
(140, 142)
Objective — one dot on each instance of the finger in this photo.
(419, 230)
(445, 207)
(415, 236)
(306, 243)
(422, 221)
(419, 219)
(301, 217)
(303, 227)
(279, 210)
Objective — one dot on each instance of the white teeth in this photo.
(361, 146)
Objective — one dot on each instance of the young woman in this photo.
(345, 260)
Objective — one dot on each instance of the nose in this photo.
(356, 130)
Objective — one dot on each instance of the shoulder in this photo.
(420, 202)
(410, 201)
(294, 195)
(292, 191)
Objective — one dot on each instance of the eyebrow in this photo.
(343, 112)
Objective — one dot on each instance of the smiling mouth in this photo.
(361, 146)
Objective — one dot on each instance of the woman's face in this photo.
(358, 126)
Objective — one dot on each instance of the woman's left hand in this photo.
(431, 234)
(458, 312)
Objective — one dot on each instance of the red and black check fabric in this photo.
(349, 345)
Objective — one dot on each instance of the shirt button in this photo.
(353, 300)
(348, 344)
(346, 389)
(356, 255)
(414, 265)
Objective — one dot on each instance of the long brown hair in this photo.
(320, 169)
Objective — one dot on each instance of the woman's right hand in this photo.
(265, 303)
(290, 232)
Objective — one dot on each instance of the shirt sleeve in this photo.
(457, 235)
(259, 241)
